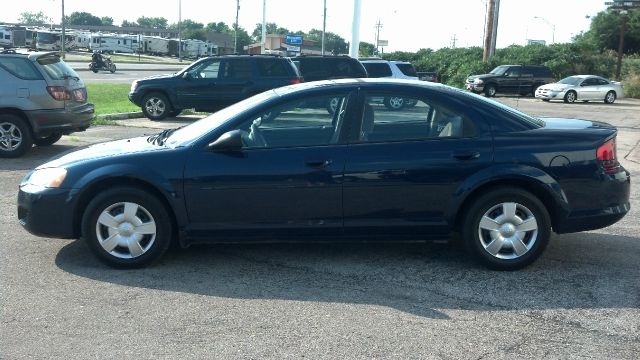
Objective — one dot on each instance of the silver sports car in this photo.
(581, 88)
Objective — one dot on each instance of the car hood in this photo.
(556, 87)
(104, 150)
(471, 78)
(157, 77)
(562, 123)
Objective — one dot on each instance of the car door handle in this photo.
(319, 164)
(466, 155)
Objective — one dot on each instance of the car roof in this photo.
(358, 81)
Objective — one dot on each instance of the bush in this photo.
(632, 85)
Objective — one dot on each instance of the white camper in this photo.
(112, 43)
(196, 48)
(155, 45)
(13, 36)
(49, 40)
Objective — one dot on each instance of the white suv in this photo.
(379, 68)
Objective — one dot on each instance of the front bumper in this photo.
(46, 213)
(478, 88)
(546, 94)
(136, 98)
(67, 120)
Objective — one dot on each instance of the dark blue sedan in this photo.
(278, 167)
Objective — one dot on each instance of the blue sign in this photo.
(293, 39)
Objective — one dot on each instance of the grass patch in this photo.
(111, 98)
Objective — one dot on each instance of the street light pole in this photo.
(324, 25)
(553, 28)
(179, 30)
(63, 32)
(235, 32)
(263, 43)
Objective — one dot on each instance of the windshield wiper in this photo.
(161, 137)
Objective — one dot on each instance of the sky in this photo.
(408, 25)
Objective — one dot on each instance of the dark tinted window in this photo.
(237, 69)
(272, 67)
(377, 70)
(540, 71)
(407, 69)
(321, 68)
(601, 82)
(20, 68)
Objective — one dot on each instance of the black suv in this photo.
(314, 67)
(211, 84)
(510, 79)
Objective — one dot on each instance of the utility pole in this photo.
(235, 32)
(179, 30)
(488, 32)
(63, 32)
(263, 43)
(378, 26)
(494, 36)
(355, 29)
(453, 41)
(324, 25)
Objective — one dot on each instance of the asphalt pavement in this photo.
(581, 300)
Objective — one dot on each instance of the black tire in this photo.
(546, 100)
(610, 98)
(155, 106)
(394, 102)
(48, 140)
(570, 97)
(526, 230)
(151, 238)
(112, 68)
(15, 136)
(94, 69)
(175, 112)
(490, 90)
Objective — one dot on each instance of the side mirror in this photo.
(230, 141)
(187, 75)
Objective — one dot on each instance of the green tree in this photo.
(243, 40)
(333, 43)
(186, 25)
(33, 18)
(219, 27)
(83, 18)
(271, 28)
(152, 22)
(604, 32)
(366, 49)
(106, 21)
(126, 23)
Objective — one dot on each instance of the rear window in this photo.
(377, 70)
(330, 68)
(272, 68)
(20, 68)
(56, 68)
(407, 69)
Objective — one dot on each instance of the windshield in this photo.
(571, 80)
(47, 38)
(56, 68)
(188, 134)
(500, 70)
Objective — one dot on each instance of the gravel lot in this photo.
(580, 300)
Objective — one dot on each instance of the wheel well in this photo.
(19, 113)
(93, 190)
(544, 196)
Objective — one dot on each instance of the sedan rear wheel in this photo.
(507, 228)
(127, 227)
(610, 98)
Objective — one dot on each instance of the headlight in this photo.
(47, 178)
(479, 81)
(134, 85)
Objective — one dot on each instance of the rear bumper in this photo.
(67, 120)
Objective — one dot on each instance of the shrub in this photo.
(632, 85)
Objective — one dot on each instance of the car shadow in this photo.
(587, 270)
(35, 156)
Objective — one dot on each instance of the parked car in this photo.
(582, 88)
(378, 68)
(510, 79)
(41, 99)
(455, 162)
(428, 76)
(315, 68)
(211, 84)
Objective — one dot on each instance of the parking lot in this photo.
(580, 300)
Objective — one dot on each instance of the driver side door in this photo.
(285, 182)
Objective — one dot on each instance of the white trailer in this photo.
(49, 40)
(155, 45)
(112, 43)
(13, 36)
(197, 48)
(83, 40)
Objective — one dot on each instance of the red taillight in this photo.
(59, 93)
(295, 81)
(606, 153)
(80, 95)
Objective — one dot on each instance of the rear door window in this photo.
(377, 70)
(272, 68)
(407, 69)
(20, 68)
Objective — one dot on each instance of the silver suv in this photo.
(41, 99)
(379, 68)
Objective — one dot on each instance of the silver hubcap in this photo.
(610, 97)
(155, 106)
(571, 97)
(126, 230)
(508, 230)
(396, 102)
(492, 91)
(10, 136)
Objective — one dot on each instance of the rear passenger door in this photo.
(406, 166)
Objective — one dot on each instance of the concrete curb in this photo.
(121, 116)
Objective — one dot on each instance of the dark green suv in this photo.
(510, 79)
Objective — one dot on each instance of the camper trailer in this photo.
(197, 48)
(13, 36)
(49, 40)
(113, 43)
(83, 40)
(155, 45)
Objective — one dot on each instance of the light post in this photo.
(179, 30)
(235, 30)
(553, 28)
(63, 32)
